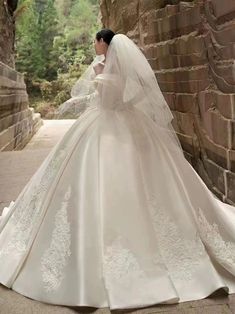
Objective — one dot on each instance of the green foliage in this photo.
(54, 44)
(34, 41)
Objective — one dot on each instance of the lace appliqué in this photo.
(56, 256)
(120, 265)
(224, 251)
(28, 211)
(181, 256)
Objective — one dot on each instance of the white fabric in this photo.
(114, 217)
(127, 81)
(83, 93)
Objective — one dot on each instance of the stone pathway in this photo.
(16, 169)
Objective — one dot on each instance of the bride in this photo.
(116, 216)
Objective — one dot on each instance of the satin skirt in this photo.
(114, 218)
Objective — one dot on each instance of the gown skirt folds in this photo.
(114, 218)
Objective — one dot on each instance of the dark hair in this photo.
(105, 33)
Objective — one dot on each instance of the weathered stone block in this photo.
(188, 44)
(224, 86)
(226, 71)
(213, 151)
(184, 86)
(177, 61)
(224, 52)
(178, 24)
(224, 36)
(14, 118)
(231, 185)
(205, 101)
(217, 127)
(170, 99)
(221, 8)
(231, 156)
(184, 74)
(186, 103)
(189, 143)
(216, 174)
(207, 179)
(225, 104)
(233, 134)
(185, 123)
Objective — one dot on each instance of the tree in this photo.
(54, 43)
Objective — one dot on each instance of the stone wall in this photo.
(191, 48)
(18, 122)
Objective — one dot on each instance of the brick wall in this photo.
(191, 48)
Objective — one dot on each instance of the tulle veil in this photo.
(127, 82)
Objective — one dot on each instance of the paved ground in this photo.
(16, 169)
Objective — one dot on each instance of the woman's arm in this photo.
(98, 68)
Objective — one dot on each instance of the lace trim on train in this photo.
(55, 258)
(25, 217)
(181, 256)
(120, 265)
(224, 251)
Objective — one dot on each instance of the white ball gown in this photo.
(113, 218)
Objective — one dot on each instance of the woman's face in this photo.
(100, 46)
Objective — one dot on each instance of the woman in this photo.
(116, 216)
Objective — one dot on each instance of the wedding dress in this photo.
(115, 216)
